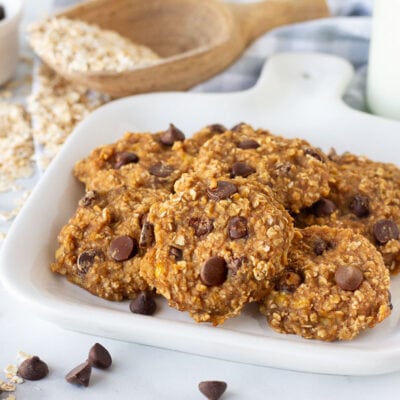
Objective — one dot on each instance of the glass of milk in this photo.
(383, 86)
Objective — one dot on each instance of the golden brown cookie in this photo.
(136, 160)
(216, 245)
(365, 196)
(334, 286)
(102, 245)
(296, 171)
(193, 144)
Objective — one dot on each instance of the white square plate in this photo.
(297, 95)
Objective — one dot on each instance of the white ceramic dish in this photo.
(297, 95)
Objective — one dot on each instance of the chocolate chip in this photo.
(224, 190)
(2, 13)
(80, 375)
(238, 127)
(99, 357)
(161, 170)
(320, 246)
(201, 226)
(176, 253)
(385, 230)
(217, 128)
(289, 281)
(172, 135)
(123, 248)
(237, 227)
(315, 154)
(213, 390)
(248, 144)
(390, 300)
(214, 271)
(33, 369)
(124, 158)
(359, 206)
(86, 260)
(88, 199)
(144, 304)
(323, 208)
(348, 277)
(241, 169)
(146, 239)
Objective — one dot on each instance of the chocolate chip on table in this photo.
(323, 208)
(241, 169)
(315, 154)
(88, 199)
(124, 158)
(248, 144)
(2, 12)
(123, 248)
(146, 238)
(237, 227)
(289, 281)
(33, 369)
(217, 128)
(99, 357)
(202, 226)
(224, 190)
(176, 253)
(213, 390)
(161, 170)
(321, 245)
(172, 135)
(144, 304)
(359, 206)
(385, 230)
(348, 277)
(214, 271)
(80, 375)
(86, 260)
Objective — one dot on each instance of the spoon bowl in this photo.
(196, 39)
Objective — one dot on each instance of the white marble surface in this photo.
(145, 373)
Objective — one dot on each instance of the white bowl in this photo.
(9, 43)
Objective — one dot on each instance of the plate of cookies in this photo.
(258, 226)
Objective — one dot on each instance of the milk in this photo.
(383, 87)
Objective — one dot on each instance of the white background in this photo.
(141, 372)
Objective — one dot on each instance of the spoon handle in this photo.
(254, 19)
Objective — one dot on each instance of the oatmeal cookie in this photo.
(217, 245)
(334, 287)
(193, 144)
(364, 196)
(296, 171)
(102, 245)
(137, 160)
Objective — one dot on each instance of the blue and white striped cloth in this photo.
(346, 35)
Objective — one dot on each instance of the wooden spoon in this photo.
(196, 38)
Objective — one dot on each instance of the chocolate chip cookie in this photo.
(137, 160)
(102, 245)
(217, 243)
(364, 196)
(334, 286)
(296, 171)
(193, 144)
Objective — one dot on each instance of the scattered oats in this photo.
(7, 386)
(11, 369)
(8, 215)
(56, 107)
(73, 45)
(16, 145)
(11, 397)
(3, 235)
